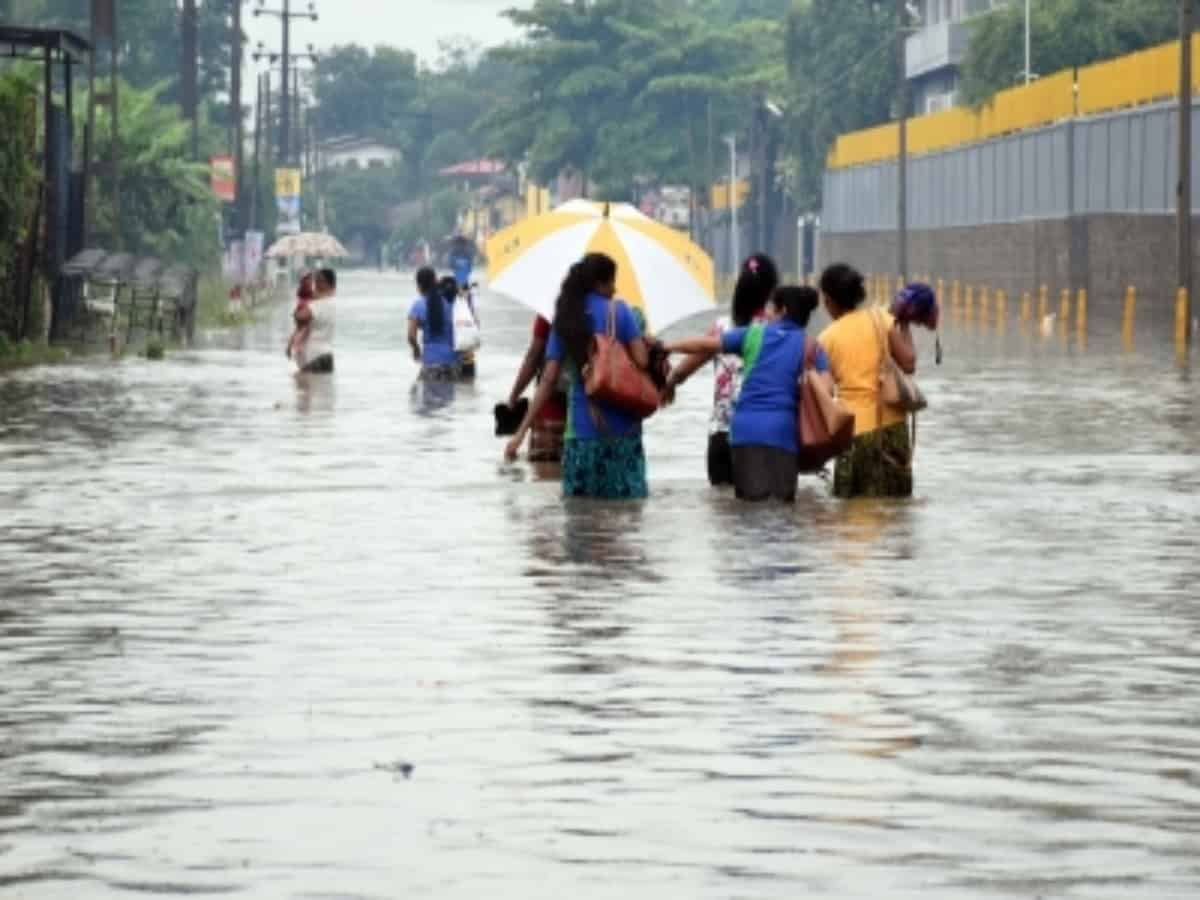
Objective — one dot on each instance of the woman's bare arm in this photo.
(709, 343)
(413, 329)
(529, 368)
(640, 353)
(540, 399)
(904, 350)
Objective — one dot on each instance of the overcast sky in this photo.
(410, 24)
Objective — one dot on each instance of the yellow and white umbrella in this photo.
(658, 269)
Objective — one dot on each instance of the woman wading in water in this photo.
(603, 455)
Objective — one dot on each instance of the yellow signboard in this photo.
(287, 182)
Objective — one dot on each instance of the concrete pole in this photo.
(1183, 206)
(285, 100)
(190, 87)
(1028, 44)
(902, 159)
(734, 238)
(235, 108)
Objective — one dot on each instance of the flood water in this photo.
(233, 612)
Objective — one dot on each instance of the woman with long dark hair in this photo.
(431, 316)
(757, 280)
(603, 455)
(763, 427)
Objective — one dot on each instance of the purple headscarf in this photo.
(918, 304)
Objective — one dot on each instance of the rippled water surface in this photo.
(233, 612)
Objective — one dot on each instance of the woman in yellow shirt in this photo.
(879, 464)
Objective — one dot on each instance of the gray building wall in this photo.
(1083, 204)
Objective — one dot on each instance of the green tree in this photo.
(167, 206)
(623, 89)
(1065, 34)
(841, 77)
(18, 104)
(367, 93)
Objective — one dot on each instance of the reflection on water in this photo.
(233, 604)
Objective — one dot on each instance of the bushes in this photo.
(19, 176)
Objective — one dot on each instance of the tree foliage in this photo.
(841, 76)
(622, 89)
(150, 41)
(19, 175)
(1065, 34)
(167, 207)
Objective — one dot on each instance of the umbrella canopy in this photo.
(658, 269)
(308, 243)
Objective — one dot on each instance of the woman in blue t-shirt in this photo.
(763, 429)
(602, 450)
(432, 316)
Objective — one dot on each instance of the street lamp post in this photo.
(285, 16)
(734, 249)
(274, 60)
(1028, 45)
(902, 30)
(1183, 203)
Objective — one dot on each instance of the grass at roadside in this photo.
(28, 353)
(213, 304)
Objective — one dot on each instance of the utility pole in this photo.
(256, 187)
(286, 16)
(902, 158)
(235, 105)
(1028, 44)
(189, 88)
(734, 250)
(1183, 205)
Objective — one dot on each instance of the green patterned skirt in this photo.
(878, 464)
(604, 468)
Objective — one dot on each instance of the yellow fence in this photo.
(1138, 78)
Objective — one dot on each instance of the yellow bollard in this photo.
(1001, 312)
(1064, 310)
(1181, 319)
(956, 301)
(941, 291)
(1043, 303)
(970, 304)
(1127, 317)
(1081, 302)
(1026, 307)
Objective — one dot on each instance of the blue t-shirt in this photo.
(773, 356)
(461, 266)
(436, 349)
(579, 418)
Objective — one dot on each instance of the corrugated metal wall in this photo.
(1123, 162)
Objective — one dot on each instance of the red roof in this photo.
(474, 167)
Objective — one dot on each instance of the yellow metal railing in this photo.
(1143, 77)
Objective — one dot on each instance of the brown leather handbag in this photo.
(612, 377)
(896, 387)
(824, 427)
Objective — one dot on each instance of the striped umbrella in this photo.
(308, 243)
(658, 269)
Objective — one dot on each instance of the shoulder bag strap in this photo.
(885, 353)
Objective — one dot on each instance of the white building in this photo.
(356, 152)
(935, 51)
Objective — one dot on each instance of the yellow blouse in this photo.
(853, 347)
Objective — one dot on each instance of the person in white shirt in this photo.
(315, 356)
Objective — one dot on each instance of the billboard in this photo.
(287, 200)
(221, 174)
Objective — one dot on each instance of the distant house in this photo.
(356, 153)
